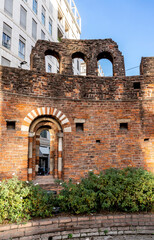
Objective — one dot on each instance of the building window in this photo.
(35, 6)
(78, 65)
(42, 35)
(50, 6)
(8, 7)
(5, 62)
(23, 16)
(7, 31)
(79, 127)
(50, 26)
(137, 85)
(49, 68)
(124, 126)
(43, 15)
(11, 125)
(34, 29)
(21, 52)
(43, 134)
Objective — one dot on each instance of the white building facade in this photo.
(23, 22)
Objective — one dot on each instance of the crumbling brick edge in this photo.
(80, 227)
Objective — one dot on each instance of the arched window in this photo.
(105, 64)
(52, 61)
(78, 63)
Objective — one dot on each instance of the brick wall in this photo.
(89, 227)
(117, 115)
(89, 50)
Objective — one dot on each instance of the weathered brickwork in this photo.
(117, 113)
(99, 227)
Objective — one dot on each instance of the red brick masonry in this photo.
(88, 227)
(33, 100)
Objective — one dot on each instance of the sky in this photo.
(130, 23)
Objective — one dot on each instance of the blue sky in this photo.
(130, 23)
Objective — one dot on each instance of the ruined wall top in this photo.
(90, 51)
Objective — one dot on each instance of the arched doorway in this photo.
(45, 148)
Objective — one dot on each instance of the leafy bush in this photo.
(76, 198)
(19, 201)
(128, 190)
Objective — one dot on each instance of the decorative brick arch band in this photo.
(59, 115)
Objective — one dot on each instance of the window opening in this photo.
(43, 134)
(50, 26)
(23, 17)
(124, 126)
(137, 85)
(8, 7)
(21, 52)
(79, 127)
(146, 139)
(6, 40)
(11, 125)
(34, 29)
(59, 34)
(42, 35)
(49, 68)
(52, 61)
(43, 15)
(5, 62)
(79, 64)
(105, 64)
(35, 6)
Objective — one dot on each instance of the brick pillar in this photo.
(30, 156)
(37, 60)
(37, 154)
(56, 158)
(51, 154)
(66, 65)
(92, 68)
(60, 149)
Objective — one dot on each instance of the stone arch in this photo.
(106, 55)
(43, 48)
(54, 161)
(52, 53)
(55, 54)
(108, 49)
(79, 55)
(49, 118)
(59, 115)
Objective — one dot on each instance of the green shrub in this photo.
(128, 190)
(19, 201)
(76, 198)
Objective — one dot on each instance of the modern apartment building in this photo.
(23, 22)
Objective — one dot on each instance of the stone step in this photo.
(51, 187)
(44, 180)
